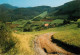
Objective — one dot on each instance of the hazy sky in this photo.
(32, 3)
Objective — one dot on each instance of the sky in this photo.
(33, 3)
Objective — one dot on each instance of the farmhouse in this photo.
(46, 25)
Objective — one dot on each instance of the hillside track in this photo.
(43, 45)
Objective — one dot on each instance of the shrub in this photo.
(27, 28)
(78, 22)
(66, 22)
(29, 22)
(37, 19)
(6, 41)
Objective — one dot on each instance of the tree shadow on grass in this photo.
(67, 47)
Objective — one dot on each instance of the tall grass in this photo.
(6, 40)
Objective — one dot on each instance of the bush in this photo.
(29, 22)
(37, 19)
(6, 41)
(27, 28)
(78, 22)
(66, 22)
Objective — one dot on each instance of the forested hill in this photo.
(11, 13)
(29, 13)
(8, 6)
(67, 11)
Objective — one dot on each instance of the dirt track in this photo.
(44, 46)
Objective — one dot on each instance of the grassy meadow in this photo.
(25, 40)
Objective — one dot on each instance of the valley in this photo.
(40, 30)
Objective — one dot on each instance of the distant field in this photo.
(58, 21)
(21, 22)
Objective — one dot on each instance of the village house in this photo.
(46, 25)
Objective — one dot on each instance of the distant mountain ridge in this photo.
(12, 13)
(8, 6)
(68, 11)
